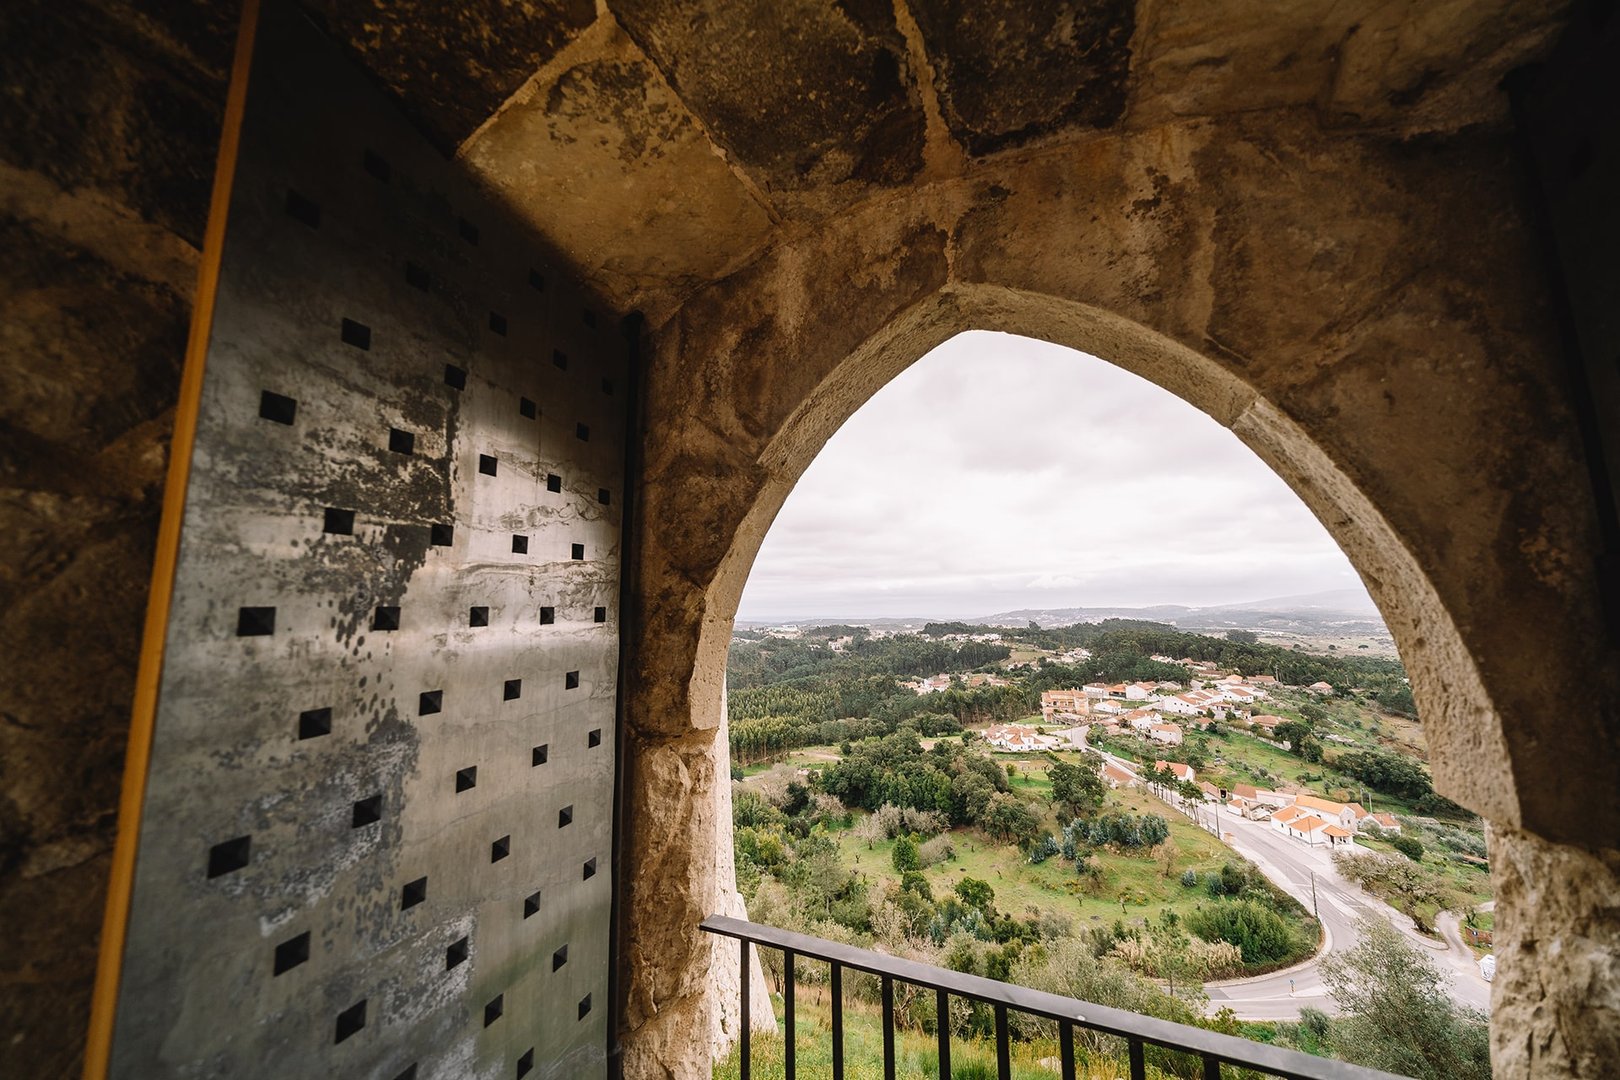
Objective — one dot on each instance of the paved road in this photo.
(1338, 903)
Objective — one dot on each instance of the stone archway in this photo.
(1230, 273)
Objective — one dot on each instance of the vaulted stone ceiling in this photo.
(660, 144)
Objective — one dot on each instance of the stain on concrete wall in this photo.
(378, 824)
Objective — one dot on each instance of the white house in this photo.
(1095, 690)
(1385, 822)
(1320, 688)
(1170, 734)
(1107, 707)
(1347, 815)
(1305, 826)
(1181, 772)
(1140, 719)
(1138, 691)
(1018, 737)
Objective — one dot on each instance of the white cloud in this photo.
(1001, 472)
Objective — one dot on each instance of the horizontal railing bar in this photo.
(1275, 1060)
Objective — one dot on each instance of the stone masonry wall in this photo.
(104, 185)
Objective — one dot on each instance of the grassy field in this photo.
(916, 1055)
(1133, 887)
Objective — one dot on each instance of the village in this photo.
(1160, 713)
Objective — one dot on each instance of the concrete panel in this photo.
(382, 769)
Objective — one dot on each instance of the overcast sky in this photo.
(1000, 473)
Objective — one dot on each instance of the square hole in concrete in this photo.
(457, 953)
(442, 535)
(478, 616)
(229, 856)
(559, 958)
(401, 442)
(527, 409)
(497, 323)
(351, 1020)
(553, 482)
(291, 953)
(409, 1073)
(417, 278)
(607, 387)
(548, 615)
(255, 621)
(339, 522)
(537, 281)
(604, 496)
(466, 779)
(520, 545)
(367, 811)
(525, 1063)
(493, 1010)
(455, 377)
(571, 680)
(357, 334)
(429, 702)
(468, 231)
(385, 618)
(582, 432)
(559, 359)
(584, 1006)
(278, 408)
(500, 849)
(589, 870)
(512, 690)
(539, 754)
(313, 723)
(413, 893)
(375, 165)
(594, 737)
(565, 817)
(302, 208)
(600, 614)
(486, 464)
(576, 551)
(531, 905)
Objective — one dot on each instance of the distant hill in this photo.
(1336, 612)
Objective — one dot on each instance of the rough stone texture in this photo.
(1009, 72)
(597, 136)
(103, 192)
(804, 95)
(451, 65)
(1555, 1001)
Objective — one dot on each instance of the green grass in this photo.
(1053, 885)
(916, 1055)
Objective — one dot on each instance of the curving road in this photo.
(1339, 904)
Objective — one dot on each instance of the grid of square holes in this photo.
(392, 652)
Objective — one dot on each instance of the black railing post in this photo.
(1212, 1068)
(838, 1021)
(1138, 1062)
(942, 1025)
(1003, 1050)
(888, 1028)
(742, 1069)
(1066, 1049)
(788, 1062)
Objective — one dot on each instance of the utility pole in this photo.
(1314, 909)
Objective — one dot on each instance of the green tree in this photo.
(1411, 887)
(904, 855)
(1395, 1013)
(1077, 790)
(1010, 820)
(1409, 846)
(975, 893)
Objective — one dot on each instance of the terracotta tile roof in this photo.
(1334, 830)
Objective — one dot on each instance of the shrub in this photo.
(1260, 933)
(904, 855)
(1407, 846)
(934, 851)
(1043, 849)
(1189, 879)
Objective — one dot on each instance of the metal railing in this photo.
(1212, 1048)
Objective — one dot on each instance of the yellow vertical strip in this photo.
(115, 923)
